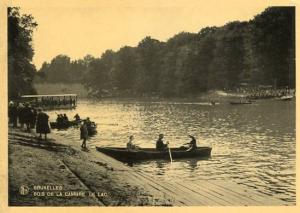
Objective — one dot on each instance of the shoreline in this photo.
(59, 173)
(44, 88)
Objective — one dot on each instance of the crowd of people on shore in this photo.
(265, 92)
(27, 117)
(24, 115)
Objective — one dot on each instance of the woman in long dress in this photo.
(42, 124)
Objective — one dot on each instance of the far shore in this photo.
(209, 96)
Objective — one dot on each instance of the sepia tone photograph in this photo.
(151, 103)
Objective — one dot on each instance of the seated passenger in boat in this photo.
(130, 145)
(59, 118)
(66, 119)
(192, 145)
(160, 146)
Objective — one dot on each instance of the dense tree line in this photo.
(20, 52)
(258, 52)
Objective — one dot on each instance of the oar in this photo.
(170, 154)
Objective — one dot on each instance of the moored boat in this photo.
(63, 125)
(240, 102)
(151, 153)
(92, 128)
(286, 98)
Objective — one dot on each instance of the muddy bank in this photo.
(58, 173)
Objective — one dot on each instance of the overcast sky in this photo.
(91, 27)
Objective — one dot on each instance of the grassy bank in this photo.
(73, 177)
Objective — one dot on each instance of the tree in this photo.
(273, 41)
(149, 51)
(261, 51)
(20, 52)
(125, 69)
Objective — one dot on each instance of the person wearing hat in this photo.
(160, 146)
(42, 126)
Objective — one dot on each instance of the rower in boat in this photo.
(77, 117)
(88, 122)
(130, 145)
(160, 145)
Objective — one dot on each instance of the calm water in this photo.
(252, 145)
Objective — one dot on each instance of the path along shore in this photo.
(58, 173)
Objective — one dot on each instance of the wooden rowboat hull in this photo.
(151, 154)
(91, 130)
(64, 125)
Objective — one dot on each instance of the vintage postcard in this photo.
(148, 103)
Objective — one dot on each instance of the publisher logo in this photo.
(24, 190)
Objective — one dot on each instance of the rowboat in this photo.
(240, 102)
(286, 98)
(92, 128)
(124, 154)
(63, 125)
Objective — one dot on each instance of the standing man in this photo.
(84, 134)
(42, 125)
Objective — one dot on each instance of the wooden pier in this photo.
(196, 193)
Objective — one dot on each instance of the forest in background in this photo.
(257, 52)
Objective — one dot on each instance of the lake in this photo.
(253, 145)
